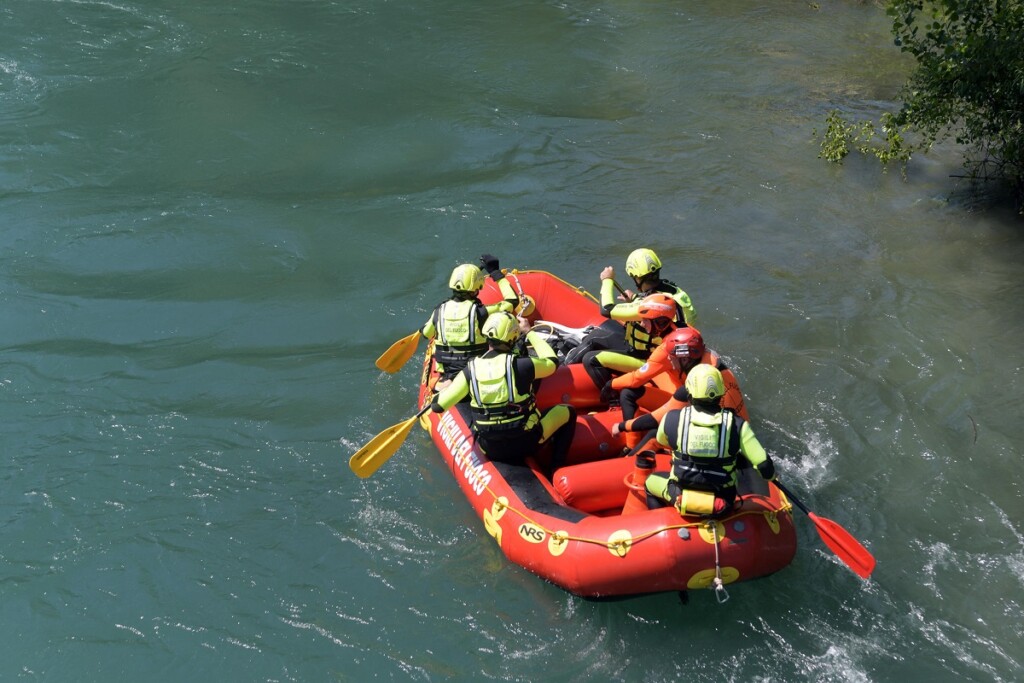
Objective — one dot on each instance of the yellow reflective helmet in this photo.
(642, 262)
(704, 382)
(501, 327)
(466, 278)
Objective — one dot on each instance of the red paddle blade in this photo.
(845, 546)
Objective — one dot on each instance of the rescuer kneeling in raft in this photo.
(681, 351)
(706, 442)
(457, 322)
(507, 424)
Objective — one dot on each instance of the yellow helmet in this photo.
(501, 327)
(704, 382)
(466, 278)
(642, 262)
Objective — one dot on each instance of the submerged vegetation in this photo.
(967, 85)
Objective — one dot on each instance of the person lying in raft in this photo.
(646, 316)
(507, 424)
(457, 322)
(706, 442)
(657, 317)
(667, 367)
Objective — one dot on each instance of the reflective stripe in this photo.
(723, 434)
(456, 326)
(495, 403)
(683, 441)
(474, 386)
(711, 469)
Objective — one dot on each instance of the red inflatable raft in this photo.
(588, 530)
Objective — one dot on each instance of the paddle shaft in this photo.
(789, 494)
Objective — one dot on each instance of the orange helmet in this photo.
(658, 305)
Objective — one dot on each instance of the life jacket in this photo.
(706, 450)
(496, 404)
(640, 338)
(459, 337)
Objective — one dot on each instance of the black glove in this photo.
(767, 469)
(436, 407)
(608, 394)
(490, 264)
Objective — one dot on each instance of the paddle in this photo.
(621, 290)
(394, 358)
(367, 459)
(838, 539)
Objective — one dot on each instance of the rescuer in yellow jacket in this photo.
(456, 324)
(507, 424)
(707, 442)
(644, 323)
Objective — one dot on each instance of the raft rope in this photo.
(622, 545)
(721, 595)
(581, 290)
(518, 286)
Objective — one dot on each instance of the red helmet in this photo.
(685, 342)
(658, 305)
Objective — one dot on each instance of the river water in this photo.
(217, 215)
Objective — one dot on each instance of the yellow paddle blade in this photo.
(370, 457)
(394, 358)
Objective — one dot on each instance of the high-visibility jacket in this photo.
(640, 336)
(457, 326)
(497, 402)
(705, 447)
(496, 377)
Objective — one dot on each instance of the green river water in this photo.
(217, 215)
